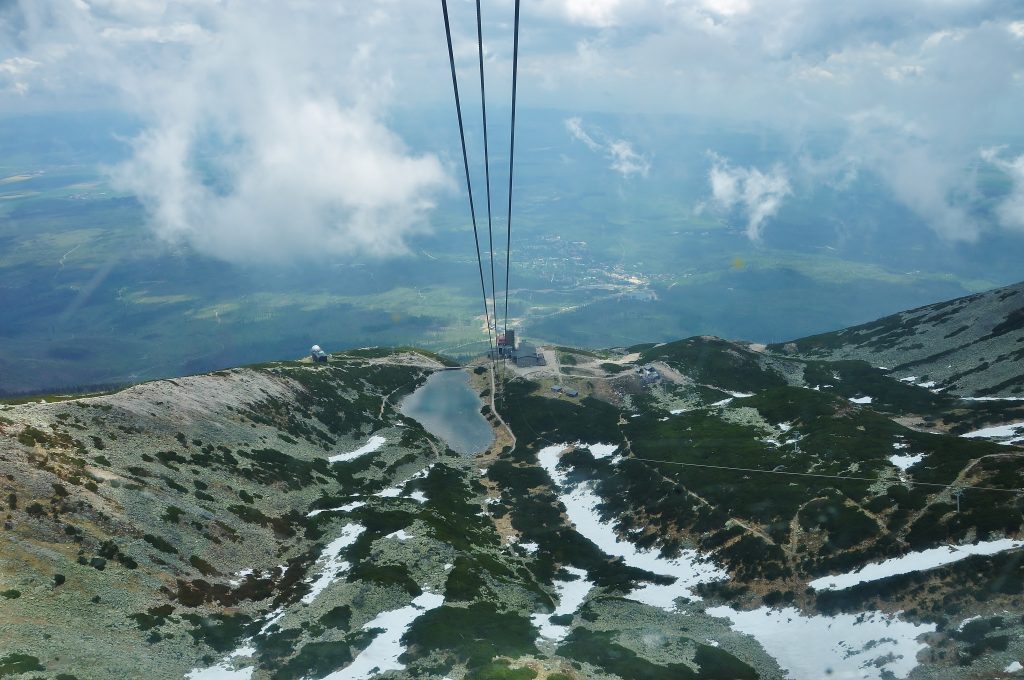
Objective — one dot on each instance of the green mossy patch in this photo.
(160, 544)
(220, 632)
(598, 649)
(716, 362)
(385, 575)
(315, 659)
(338, 617)
(474, 635)
(500, 671)
(16, 664)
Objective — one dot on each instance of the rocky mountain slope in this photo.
(696, 509)
(972, 345)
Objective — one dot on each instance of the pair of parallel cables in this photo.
(492, 312)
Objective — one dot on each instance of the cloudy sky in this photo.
(291, 104)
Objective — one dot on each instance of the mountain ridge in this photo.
(969, 345)
(287, 520)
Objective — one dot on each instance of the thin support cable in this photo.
(951, 486)
(465, 164)
(511, 160)
(940, 485)
(487, 162)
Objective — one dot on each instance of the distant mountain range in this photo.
(844, 505)
(972, 346)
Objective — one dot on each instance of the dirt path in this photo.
(497, 416)
(551, 358)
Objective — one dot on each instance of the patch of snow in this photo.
(400, 535)
(859, 646)
(713, 643)
(862, 400)
(530, 547)
(272, 618)
(376, 441)
(674, 412)
(571, 595)
(916, 561)
(785, 427)
(344, 508)
(422, 474)
(909, 379)
(240, 576)
(390, 492)
(418, 496)
(1013, 667)
(483, 471)
(581, 507)
(602, 450)
(906, 461)
(967, 620)
(997, 432)
(382, 654)
(332, 562)
(991, 398)
(724, 402)
(900, 445)
(448, 566)
(739, 395)
(929, 384)
(222, 671)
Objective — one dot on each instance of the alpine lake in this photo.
(447, 407)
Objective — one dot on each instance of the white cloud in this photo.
(803, 70)
(259, 143)
(184, 33)
(592, 12)
(308, 179)
(624, 158)
(903, 154)
(1010, 210)
(14, 71)
(903, 72)
(727, 8)
(795, 70)
(757, 195)
(17, 66)
(575, 128)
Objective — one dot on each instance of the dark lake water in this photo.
(448, 408)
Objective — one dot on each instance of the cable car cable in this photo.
(511, 161)
(465, 163)
(487, 163)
